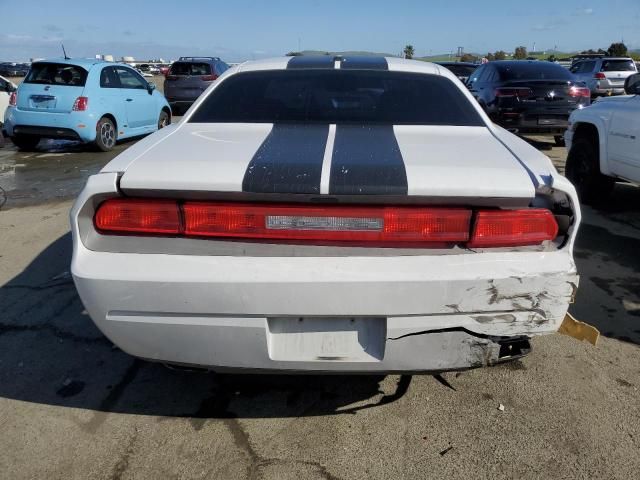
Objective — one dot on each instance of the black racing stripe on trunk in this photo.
(311, 62)
(364, 63)
(288, 161)
(367, 161)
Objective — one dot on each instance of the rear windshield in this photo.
(337, 96)
(189, 68)
(57, 74)
(618, 66)
(461, 70)
(533, 71)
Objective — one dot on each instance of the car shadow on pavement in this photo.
(51, 353)
(607, 253)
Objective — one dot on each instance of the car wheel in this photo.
(583, 170)
(164, 120)
(25, 142)
(106, 135)
(559, 139)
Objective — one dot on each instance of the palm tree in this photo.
(408, 51)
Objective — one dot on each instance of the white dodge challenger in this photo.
(328, 214)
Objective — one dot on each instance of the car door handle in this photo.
(129, 99)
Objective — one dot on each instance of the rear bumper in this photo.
(400, 313)
(51, 125)
(532, 124)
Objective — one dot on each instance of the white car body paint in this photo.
(366, 310)
(4, 98)
(617, 120)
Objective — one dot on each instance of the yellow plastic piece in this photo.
(579, 330)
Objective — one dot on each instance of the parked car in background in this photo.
(605, 75)
(8, 69)
(462, 70)
(604, 143)
(328, 214)
(6, 89)
(529, 96)
(148, 68)
(188, 78)
(86, 100)
(144, 74)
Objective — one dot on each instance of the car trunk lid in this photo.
(366, 163)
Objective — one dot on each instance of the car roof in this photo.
(393, 63)
(464, 64)
(86, 63)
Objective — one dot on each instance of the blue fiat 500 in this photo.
(92, 101)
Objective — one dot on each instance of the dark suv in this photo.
(529, 96)
(188, 78)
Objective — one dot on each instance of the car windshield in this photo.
(337, 96)
(618, 66)
(461, 70)
(189, 68)
(533, 71)
(57, 74)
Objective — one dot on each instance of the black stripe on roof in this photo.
(367, 161)
(311, 62)
(288, 161)
(364, 63)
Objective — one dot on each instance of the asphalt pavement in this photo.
(74, 406)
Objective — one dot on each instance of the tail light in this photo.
(139, 216)
(505, 92)
(600, 76)
(580, 92)
(81, 104)
(506, 228)
(358, 225)
(330, 224)
(209, 78)
(13, 99)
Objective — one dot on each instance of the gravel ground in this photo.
(74, 406)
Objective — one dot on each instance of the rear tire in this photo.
(106, 135)
(164, 120)
(559, 139)
(25, 143)
(583, 170)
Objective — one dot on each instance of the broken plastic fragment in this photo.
(501, 407)
(579, 330)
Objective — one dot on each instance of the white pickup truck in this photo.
(603, 142)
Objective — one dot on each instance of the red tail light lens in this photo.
(81, 104)
(361, 225)
(327, 224)
(580, 92)
(13, 99)
(513, 92)
(209, 78)
(138, 216)
(505, 228)
(600, 76)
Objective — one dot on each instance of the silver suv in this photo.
(606, 75)
(188, 78)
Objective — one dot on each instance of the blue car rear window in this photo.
(57, 74)
(338, 96)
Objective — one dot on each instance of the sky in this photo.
(237, 30)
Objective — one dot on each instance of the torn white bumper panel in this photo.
(354, 314)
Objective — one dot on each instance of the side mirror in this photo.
(632, 85)
(151, 87)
